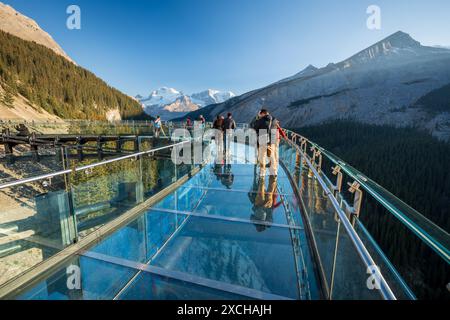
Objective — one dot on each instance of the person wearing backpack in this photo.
(266, 143)
(229, 125)
(252, 125)
(218, 136)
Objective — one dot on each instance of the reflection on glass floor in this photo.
(225, 234)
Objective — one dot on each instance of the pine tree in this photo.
(56, 85)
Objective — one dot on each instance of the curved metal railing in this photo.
(430, 233)
(426, 231)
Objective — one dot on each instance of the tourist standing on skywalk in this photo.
(229, 125)
(218, 136)
(269, 134)
(157, 125)
(202, 121)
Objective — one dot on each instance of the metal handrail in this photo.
(431, 241)
(365, 256)
(78, 169)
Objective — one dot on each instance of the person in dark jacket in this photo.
(266, 143)
(229, 125)
(218, 123)
(218, 137)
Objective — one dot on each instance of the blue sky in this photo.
(239, 45)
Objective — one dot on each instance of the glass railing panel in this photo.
(431, 234)
(397, 284)
(42, 217)
(323, 222)
(421, 269)
(142, 238)
(157, 174)
(102, 193)
(352, 279)
(288, 155)
(387, 224)
(35, 223)
(25, 164)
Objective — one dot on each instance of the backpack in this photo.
(228, 124)
(264, 123)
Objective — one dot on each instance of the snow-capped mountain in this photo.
(382, 84)
(210, 96)
(170, 103)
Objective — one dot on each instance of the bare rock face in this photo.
(113, 115)
(182, 104)
(23, 27)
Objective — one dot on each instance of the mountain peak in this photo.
(398, 44)
(309, 69)
(165, 91)
(401, 39)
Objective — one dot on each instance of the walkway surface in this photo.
(227, 233)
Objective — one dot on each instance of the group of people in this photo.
(224, 134)
(268, 131)
(269, 134)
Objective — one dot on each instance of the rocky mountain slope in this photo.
(38, 82)
(379, 85)
(25, 28)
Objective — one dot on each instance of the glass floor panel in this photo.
(238, 169)
(247, 255)
(244, 183)
(103, 280)
(246, 237)
(152, 287)
(254, 206)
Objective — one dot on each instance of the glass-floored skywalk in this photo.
(226, 233)
(140, 226)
